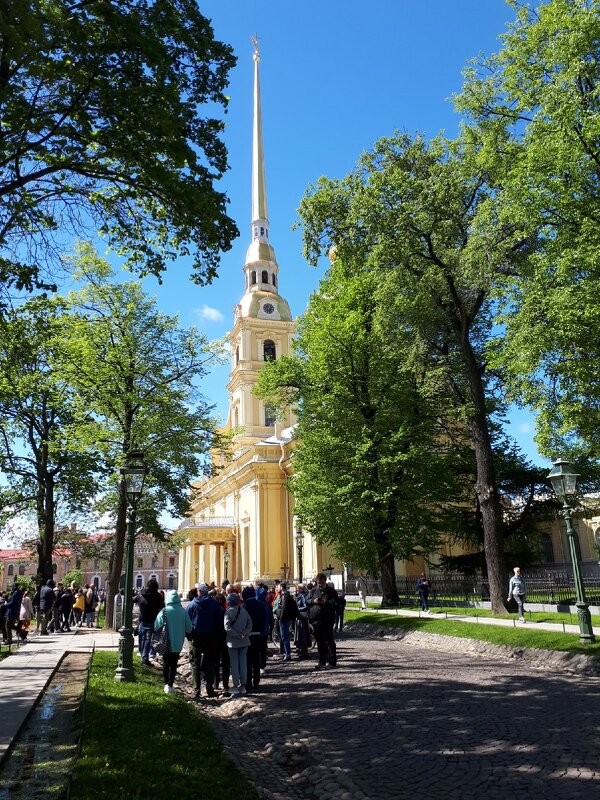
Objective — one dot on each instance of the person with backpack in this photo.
(287, 612)
(149, 602)
(238, 627)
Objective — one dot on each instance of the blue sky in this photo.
(335, 76)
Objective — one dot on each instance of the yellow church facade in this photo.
(241, 524)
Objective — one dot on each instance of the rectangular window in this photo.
(140, 563)
(172, 561)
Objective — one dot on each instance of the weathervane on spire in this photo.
(256, 48)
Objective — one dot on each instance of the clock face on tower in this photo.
(268, 308)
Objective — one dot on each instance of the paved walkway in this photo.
(556, 627)
(26, 672)
(403, 721)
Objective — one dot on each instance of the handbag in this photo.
(162, 644)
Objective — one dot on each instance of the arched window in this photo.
(54, 568)
(269, 416)
(139, 581)
(171, 581)
(11, 569)
(262, 231)
(269, 351)
(237, 355)
(265, 276)
(274, 279)
(253, 277)
(22, 569)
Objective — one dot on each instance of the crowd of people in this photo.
(56, 609)
(229, 628)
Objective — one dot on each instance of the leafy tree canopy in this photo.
(102, 129)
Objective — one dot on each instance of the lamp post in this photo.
(564, 483)
(133, 475)
(328, 570)
(226, 559)
(300, 550)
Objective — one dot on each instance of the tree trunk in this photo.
(116, 561)
(387, 565)
(45, 518)
(486, 486)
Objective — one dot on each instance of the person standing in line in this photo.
(339, 612)
(178, 626)
(207, 619)
(258, 616)
(261, 596)
(78, 607)
(13, 612)
(149, 603)
(46, 603)
(518, 590)
(238, 626)
(287, 612)
(361, 589)
(66, 606)
(26, 614)
(423, 589)
(322, 603)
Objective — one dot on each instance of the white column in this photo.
(212, 549)
(202, 562)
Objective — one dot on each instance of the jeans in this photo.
(145, 631)
(424, 602)
(203, 651)
(238, 660)
(284, 633)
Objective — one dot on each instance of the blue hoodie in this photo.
(178, 622)
(261, 596)
(206, 615)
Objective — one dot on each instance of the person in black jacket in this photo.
(259, 619)
(66, 606)
(13, 612)
(287, 612)
(322, 605)
(46, 603)
(149, 602)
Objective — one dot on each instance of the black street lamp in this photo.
(300, 549)
(564, 483)
(226, 559)
(328, 570)
(133, 476)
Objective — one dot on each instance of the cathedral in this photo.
(241, 524)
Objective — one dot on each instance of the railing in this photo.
(211, 522)
(550, 588)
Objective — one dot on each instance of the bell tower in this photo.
(263, 327)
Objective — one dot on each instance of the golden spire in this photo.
(259, 187)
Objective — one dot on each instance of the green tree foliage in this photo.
(526, 504)
(38, 409)
(424, 215)
(371, 464)
(102, 129)
(534, 107)
(136, 373)
(73, 576)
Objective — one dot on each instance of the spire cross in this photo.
(256, 47)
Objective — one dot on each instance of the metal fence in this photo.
(550, 588)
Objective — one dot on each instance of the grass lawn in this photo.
(140, 743)
(513, 637)
(534, 616)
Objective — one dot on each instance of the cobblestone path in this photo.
(397, 721)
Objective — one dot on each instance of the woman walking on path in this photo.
(238, 627)
(178, 625)
(518, 590)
